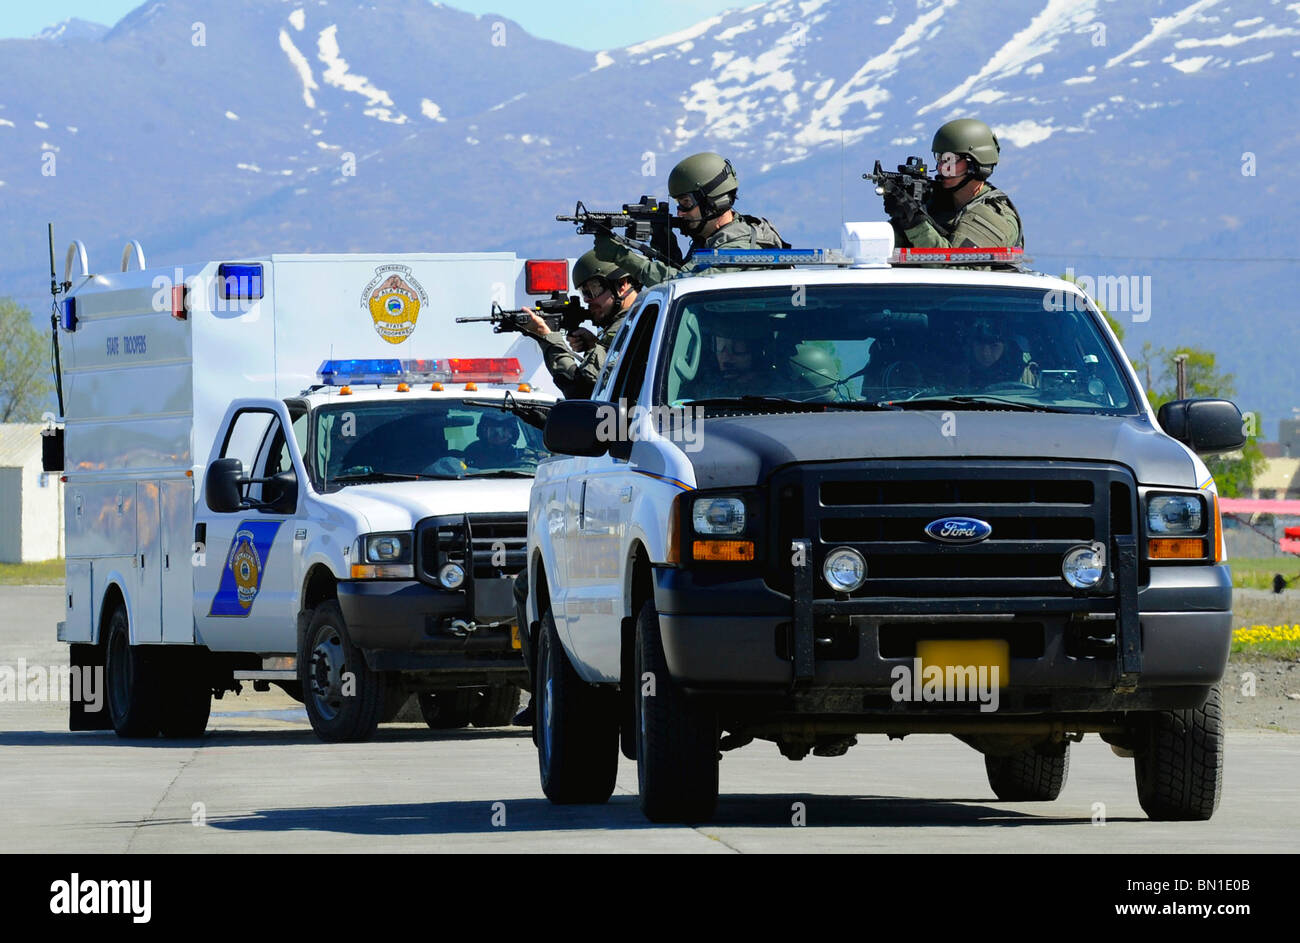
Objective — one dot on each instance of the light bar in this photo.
(767, 258)
(452, 370)
(543, 276)
(965, 256)
(239, 281)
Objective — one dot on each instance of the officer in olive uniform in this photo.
(964, 210)
(609, 292)
(704, 186)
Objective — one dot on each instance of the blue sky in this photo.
(578, 23)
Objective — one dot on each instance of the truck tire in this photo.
(577, 727)
(185, 695)
(1037, 774)
(1178, 761)
(677, 739)
(497, 706)
(341, 709)
(132, 679)
(446, 710)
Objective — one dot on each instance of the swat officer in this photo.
(964, 210)
(704, 186)
(609, 292)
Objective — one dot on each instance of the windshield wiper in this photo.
(503, 473)
(976, 401)
(392, 476)
(749, 401)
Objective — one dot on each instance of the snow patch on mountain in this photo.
(431, 110)
(1162, 26)
(337, 74)
(298, 19)
(673, 39)
(1231, 39)
(302, 67)
(1039, 38)
(1024, 133)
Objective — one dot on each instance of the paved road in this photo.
(260, 781)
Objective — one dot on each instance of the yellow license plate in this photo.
(514, 637)
(962, 654)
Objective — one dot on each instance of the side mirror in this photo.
(221, 485)
(280, 492)
(574, 427)
(52, 450)
(1206, 426)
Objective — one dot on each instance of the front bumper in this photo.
(1168, 642)
(407, 625)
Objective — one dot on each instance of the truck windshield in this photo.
(913, 346)
(413, 439)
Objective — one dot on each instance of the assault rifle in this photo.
(560, 312)
(646, 226)
(911, 177)
(532, 413)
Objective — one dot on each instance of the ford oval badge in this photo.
(958, 530)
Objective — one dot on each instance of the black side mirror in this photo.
(280, 492)
(574, 427)
(221, 485)
(52, 450)
(1206, 426)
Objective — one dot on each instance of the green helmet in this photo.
(815, 365)
(708, 177)
(973, 139)
(588, 267)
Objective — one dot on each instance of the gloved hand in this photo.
(607, 250)
(902, 208)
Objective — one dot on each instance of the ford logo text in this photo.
(958, 530)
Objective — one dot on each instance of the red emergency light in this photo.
(180, 302)
(484, 369)
(543, 276)
(965, 256)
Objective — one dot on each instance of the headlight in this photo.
(388, 548)
(1083, 567)
(718, 516)
(844, 569)
(1175, 514)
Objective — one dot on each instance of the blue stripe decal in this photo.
(244, 567)
(672, 481)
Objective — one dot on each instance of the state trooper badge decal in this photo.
(394, 298)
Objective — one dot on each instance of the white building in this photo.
(31, 500)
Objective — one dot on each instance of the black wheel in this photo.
(185, 696)
(496, 707)
(1037, 774)
(1179, 761)
(577, 727)
(447, 710)
(343, 697)
(677, 739)
(132, 681)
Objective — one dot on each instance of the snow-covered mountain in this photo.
(1140, 139)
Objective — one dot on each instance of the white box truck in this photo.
(298, 469)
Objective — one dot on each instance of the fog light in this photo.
(1084, 567)
(451, 576)
(844, 569)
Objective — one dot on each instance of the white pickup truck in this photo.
(275, 473)
(807, 503)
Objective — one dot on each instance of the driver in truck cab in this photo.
(495, 446)
(995, 358)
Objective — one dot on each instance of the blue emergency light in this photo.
(236, 280)
(342, 372)
(69, 314)
(764, 258)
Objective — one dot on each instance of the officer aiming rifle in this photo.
(911, 177)
(646, 226)
(558, 311)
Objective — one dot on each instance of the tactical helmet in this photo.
(708, 177)
(972, 139)
(815, 365)
(497, 418)
(588, 267)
